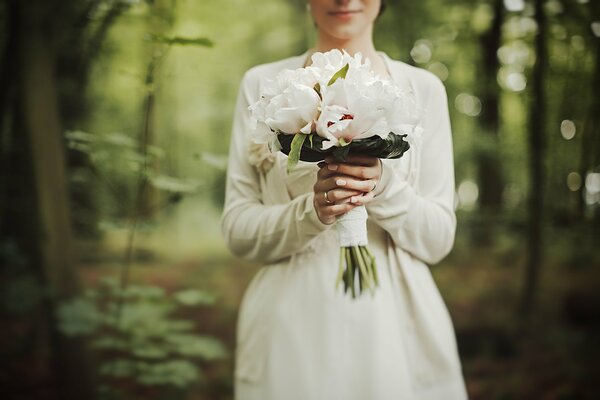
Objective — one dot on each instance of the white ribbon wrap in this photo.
(352, 227)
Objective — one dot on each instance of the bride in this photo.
(297, 337)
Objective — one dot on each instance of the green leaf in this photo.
(193, 297)
(78, 317)
(180, 325)
(341, 269)
(145, 319)
(181, 41)
(394, 146)
(146, 292)
(189, 345)
(317, 88)
(310, 138)
(155, 151)
(149, 350)
(178, 373)
(119, 368)
(81, 136)
(340, 153)
(110, 343)
(176, 185)
(340, 74)
(295, 149)
(120, 140)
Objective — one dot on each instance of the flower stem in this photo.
(367, 265)
(341, 268)
(357, 263)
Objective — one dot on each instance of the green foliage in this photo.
(175, 185)
(79, 317)
(194, 297)
(393, 146)
(446, 38)
(295, 149)
(139, 335)
(339, 74)
(181, 41)
(113, 154)
(118, 161)
(179, 373)
(23, 291)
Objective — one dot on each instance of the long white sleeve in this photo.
(423, 224)
(251, 229)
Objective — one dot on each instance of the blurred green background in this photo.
(114, 129)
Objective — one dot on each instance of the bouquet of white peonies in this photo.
(342, 108)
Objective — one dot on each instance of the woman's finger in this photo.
(335, 195)
(347, 183)
(327, 212)
(357, 159)
(362, 199)
(344, 182)
(327, 170)
(342, 186)
(357, 171)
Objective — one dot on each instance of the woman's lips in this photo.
(344, 15)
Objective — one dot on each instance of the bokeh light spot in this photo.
(592, 182)
(468, 104)
(595, 28)
(440, 70)
(574, 181)
(468, 193)
(568, 129)
(422, 51)
(514, 5)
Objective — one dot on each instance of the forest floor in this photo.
(552, 355)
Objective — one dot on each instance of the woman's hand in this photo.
(342, 186)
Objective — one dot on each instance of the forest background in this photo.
(114, 130)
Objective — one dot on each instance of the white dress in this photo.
(298, 338)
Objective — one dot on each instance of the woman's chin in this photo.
(345, 32)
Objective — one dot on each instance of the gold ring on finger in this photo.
(327, 197)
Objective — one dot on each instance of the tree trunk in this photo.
(161, 22)
(38, 106)
(537, 144)
(8, 70)
(590, 141)
(490, 174)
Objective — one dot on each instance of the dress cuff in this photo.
(313, 223)
(384, 180)
(391, 192)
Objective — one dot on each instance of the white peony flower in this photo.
(294, 110)
(353, 110)
(357, 106)
(288, 104)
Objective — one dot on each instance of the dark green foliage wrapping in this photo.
(394, 146)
